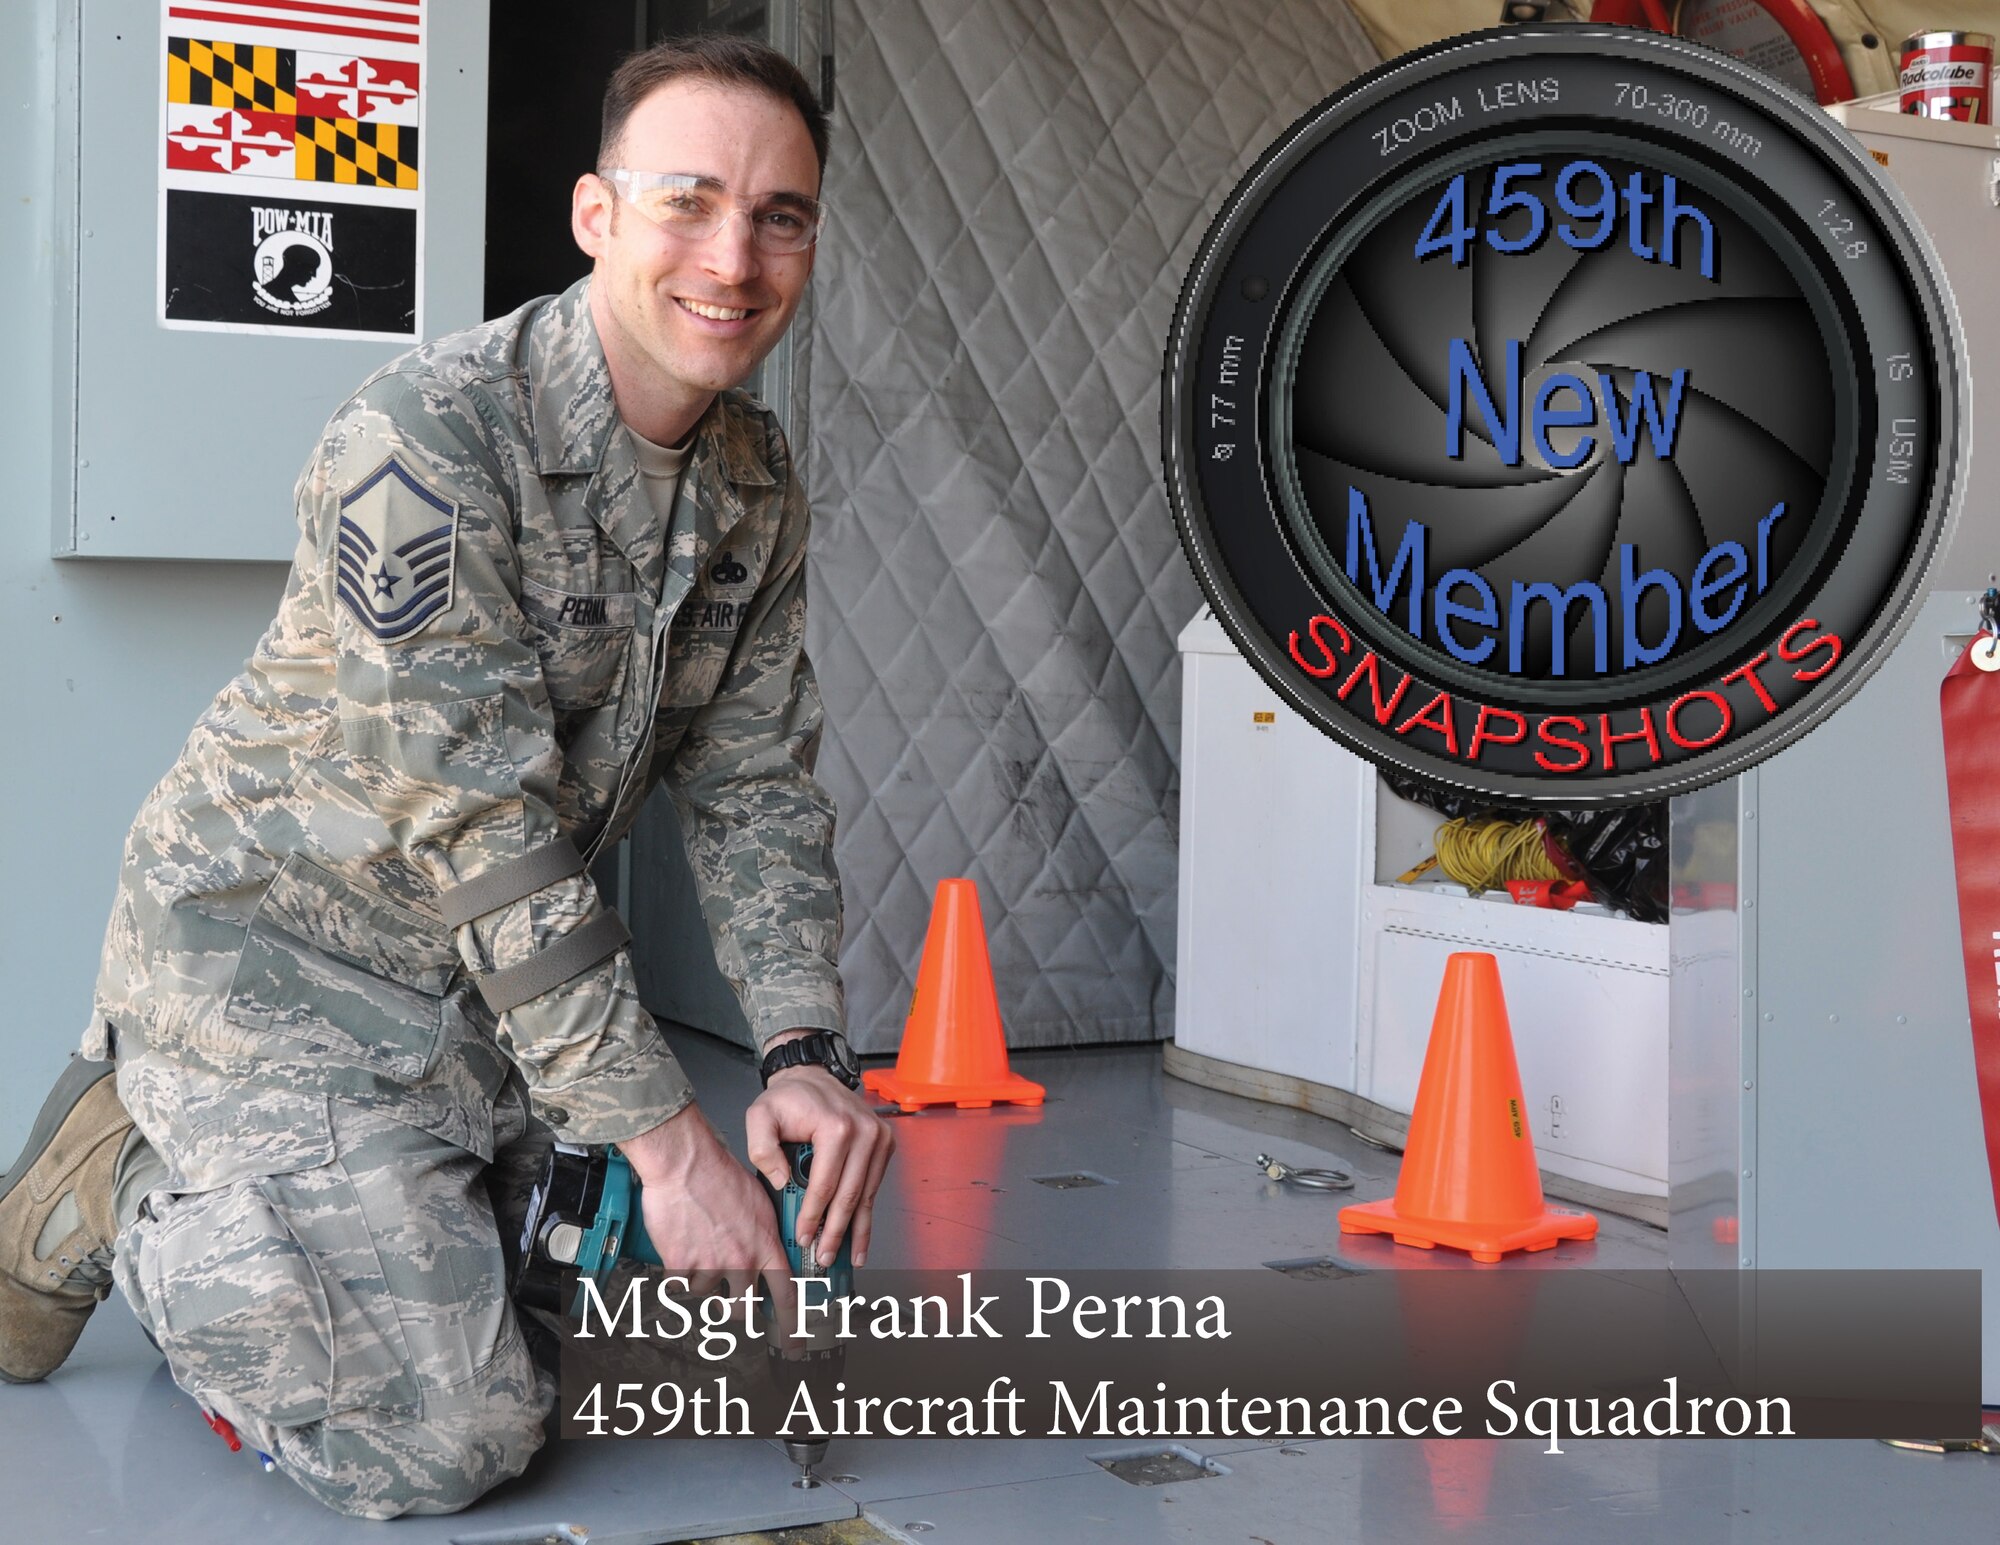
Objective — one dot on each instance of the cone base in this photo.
(1482, 1241)
(913, 1094)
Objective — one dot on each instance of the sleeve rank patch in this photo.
(398, 552)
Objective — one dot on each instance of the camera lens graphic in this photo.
(1365, 401)
(1570, 416)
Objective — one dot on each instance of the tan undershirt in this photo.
(660, 471)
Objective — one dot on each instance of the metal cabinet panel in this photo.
(1587, 1006)
(1826, 1112)
(187, 444)
(1272, 846)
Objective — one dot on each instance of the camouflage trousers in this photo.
(348, 1316)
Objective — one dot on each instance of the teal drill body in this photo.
(618, 1231)
(585, 1218)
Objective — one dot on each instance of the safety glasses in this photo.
(694, 207)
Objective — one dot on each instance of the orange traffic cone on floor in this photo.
(1469, 1178)
(954, 1049)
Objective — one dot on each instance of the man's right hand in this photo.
(707, 1215)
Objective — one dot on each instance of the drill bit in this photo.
(806, 1454)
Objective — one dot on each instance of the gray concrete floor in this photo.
(109, 1449)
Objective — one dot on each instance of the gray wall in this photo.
(112, 661)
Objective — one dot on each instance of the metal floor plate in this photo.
(1490, 1491)
(109, 1449)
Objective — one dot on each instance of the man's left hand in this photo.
(851, 1149)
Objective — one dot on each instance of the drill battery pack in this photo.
(584, 1219)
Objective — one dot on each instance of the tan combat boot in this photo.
(56, 1223)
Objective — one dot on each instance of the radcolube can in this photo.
(1948, 75)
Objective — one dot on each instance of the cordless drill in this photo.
(584, 1218)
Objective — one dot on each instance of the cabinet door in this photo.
(234, 240)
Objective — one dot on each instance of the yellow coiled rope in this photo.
(1484, 855)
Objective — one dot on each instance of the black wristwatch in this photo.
(823, 1048)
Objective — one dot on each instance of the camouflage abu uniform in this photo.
(487, 652)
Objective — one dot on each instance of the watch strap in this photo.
(814, 1050)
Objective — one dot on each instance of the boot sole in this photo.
(77, 1080)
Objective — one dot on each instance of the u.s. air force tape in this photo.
(506, 883)
(571, 955)
(1564, 413)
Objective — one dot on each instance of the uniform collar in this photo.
(576, 416)
(577, 433)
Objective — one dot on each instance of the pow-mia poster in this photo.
(232, 261)
(291, 190)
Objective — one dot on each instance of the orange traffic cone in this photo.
(954, 1050)
(1469, 1178)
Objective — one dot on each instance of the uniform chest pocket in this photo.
(584, 640)
(700, 641)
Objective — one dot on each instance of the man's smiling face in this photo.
(682, 319)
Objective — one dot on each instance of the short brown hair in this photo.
(718, 57)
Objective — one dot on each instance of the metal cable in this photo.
(1310, 1179)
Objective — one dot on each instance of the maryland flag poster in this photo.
(291, 189)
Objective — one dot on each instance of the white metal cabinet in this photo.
(1300, 956)
(1833, 1118)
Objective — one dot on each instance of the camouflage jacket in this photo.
(487, 643)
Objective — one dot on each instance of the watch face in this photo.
(1568, 415)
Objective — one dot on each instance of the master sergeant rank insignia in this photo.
(398, 551)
